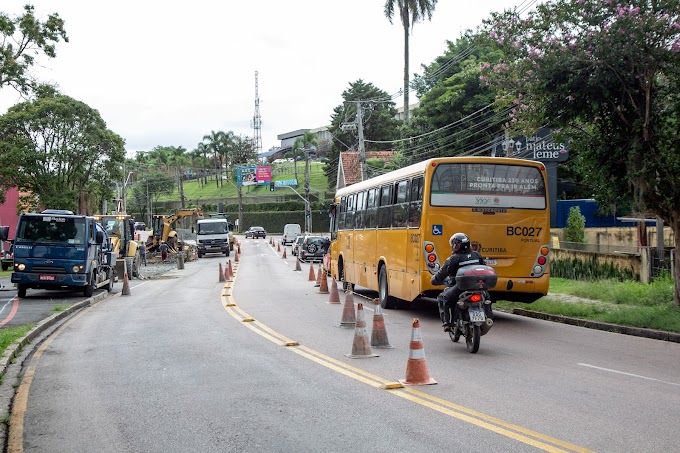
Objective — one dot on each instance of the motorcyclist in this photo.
(462, 255)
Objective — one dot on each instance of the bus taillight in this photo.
(545, 251)
(541, 260)
(429, 248)
(432, 257)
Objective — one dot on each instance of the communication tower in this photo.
(257, 122)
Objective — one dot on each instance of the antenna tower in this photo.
(257, 122)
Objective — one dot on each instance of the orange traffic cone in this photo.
(416, 368)
(360, 347)
(348, 317)
(297, 266)
(126, 283)
(379, 334)
(278, 247)
(323, 287)
(312, 277)
(284, 253)
(231, 269)
(318, 277)
(334, 298)
(236, 257)
(221, 274)
(227, 274)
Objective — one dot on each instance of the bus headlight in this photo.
(538, 269)
(76, 268)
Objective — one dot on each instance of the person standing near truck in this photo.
(164, 250)
(142, 252)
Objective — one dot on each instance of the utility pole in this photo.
(362, 148)
(240, 206)
(308, 212)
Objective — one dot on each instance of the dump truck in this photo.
(120, 228)
(56, 249)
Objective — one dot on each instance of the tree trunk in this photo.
(406, 112)
(181, 188)
(675, 225)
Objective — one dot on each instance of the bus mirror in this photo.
(4, 233)
(100, 237)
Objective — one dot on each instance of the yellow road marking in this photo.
(496, 425)
(15, 443)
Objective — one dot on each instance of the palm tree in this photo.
(410, 12)
(215, 142)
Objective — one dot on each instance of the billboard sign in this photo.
(250, 175)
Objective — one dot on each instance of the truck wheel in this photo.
(5, 266)
(227, 252)
(88, 291)
(200, 255)
(21, 291)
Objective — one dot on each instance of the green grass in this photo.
(9, 335)
(61, 307)
(625, 303)
(193, 192)
(6, 273)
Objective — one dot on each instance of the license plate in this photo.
(476, 315)
(50, 278)
(491, 261)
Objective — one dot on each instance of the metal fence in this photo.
(661, 261)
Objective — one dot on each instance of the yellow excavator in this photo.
(163, 231)
(120, 228)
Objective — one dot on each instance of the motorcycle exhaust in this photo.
(486, 326)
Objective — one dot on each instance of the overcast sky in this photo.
(168, 72)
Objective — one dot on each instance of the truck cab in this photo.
(59, 250)
(213, 236)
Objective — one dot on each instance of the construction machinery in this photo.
(163, 229)
(121, 229)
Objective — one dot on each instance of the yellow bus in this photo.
(391, 233)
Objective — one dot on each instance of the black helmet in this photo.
(459, 242)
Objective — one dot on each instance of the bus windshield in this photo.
(487, 186)
(49, 228)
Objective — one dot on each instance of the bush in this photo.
(576, 226)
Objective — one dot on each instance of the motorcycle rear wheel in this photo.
(472, 338)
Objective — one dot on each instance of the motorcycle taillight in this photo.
(475, 297)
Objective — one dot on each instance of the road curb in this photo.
(15, 348)
(673, 337)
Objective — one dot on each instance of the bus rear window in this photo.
(487, 185)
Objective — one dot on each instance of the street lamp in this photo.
(124, 189)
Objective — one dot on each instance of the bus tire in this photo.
(21, 290)
(341, 274)
(386, 301)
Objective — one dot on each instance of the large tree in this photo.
(378, 123)
(59, 150)
(607, 72)
(22, 39)
(410, 12)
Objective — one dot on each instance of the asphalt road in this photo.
(177, 367)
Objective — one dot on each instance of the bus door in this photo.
(414, 249)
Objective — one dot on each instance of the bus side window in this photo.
(360, 210)
(349, 220)
(343, 213)
(415, 202)
(400, 218)
(371, 219)
(385, 209)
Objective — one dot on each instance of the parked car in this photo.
(256, 232)
(310, 249)
(296, 245)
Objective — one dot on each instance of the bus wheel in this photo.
(386, 301)
(21, 291)
(345, 284)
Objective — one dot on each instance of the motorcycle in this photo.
(474, 305)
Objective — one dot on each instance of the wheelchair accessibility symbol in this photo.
(437, 230)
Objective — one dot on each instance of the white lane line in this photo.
(4, 306)
(628, 374)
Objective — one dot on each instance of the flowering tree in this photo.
(609, 74)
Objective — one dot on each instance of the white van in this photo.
(290, 232)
